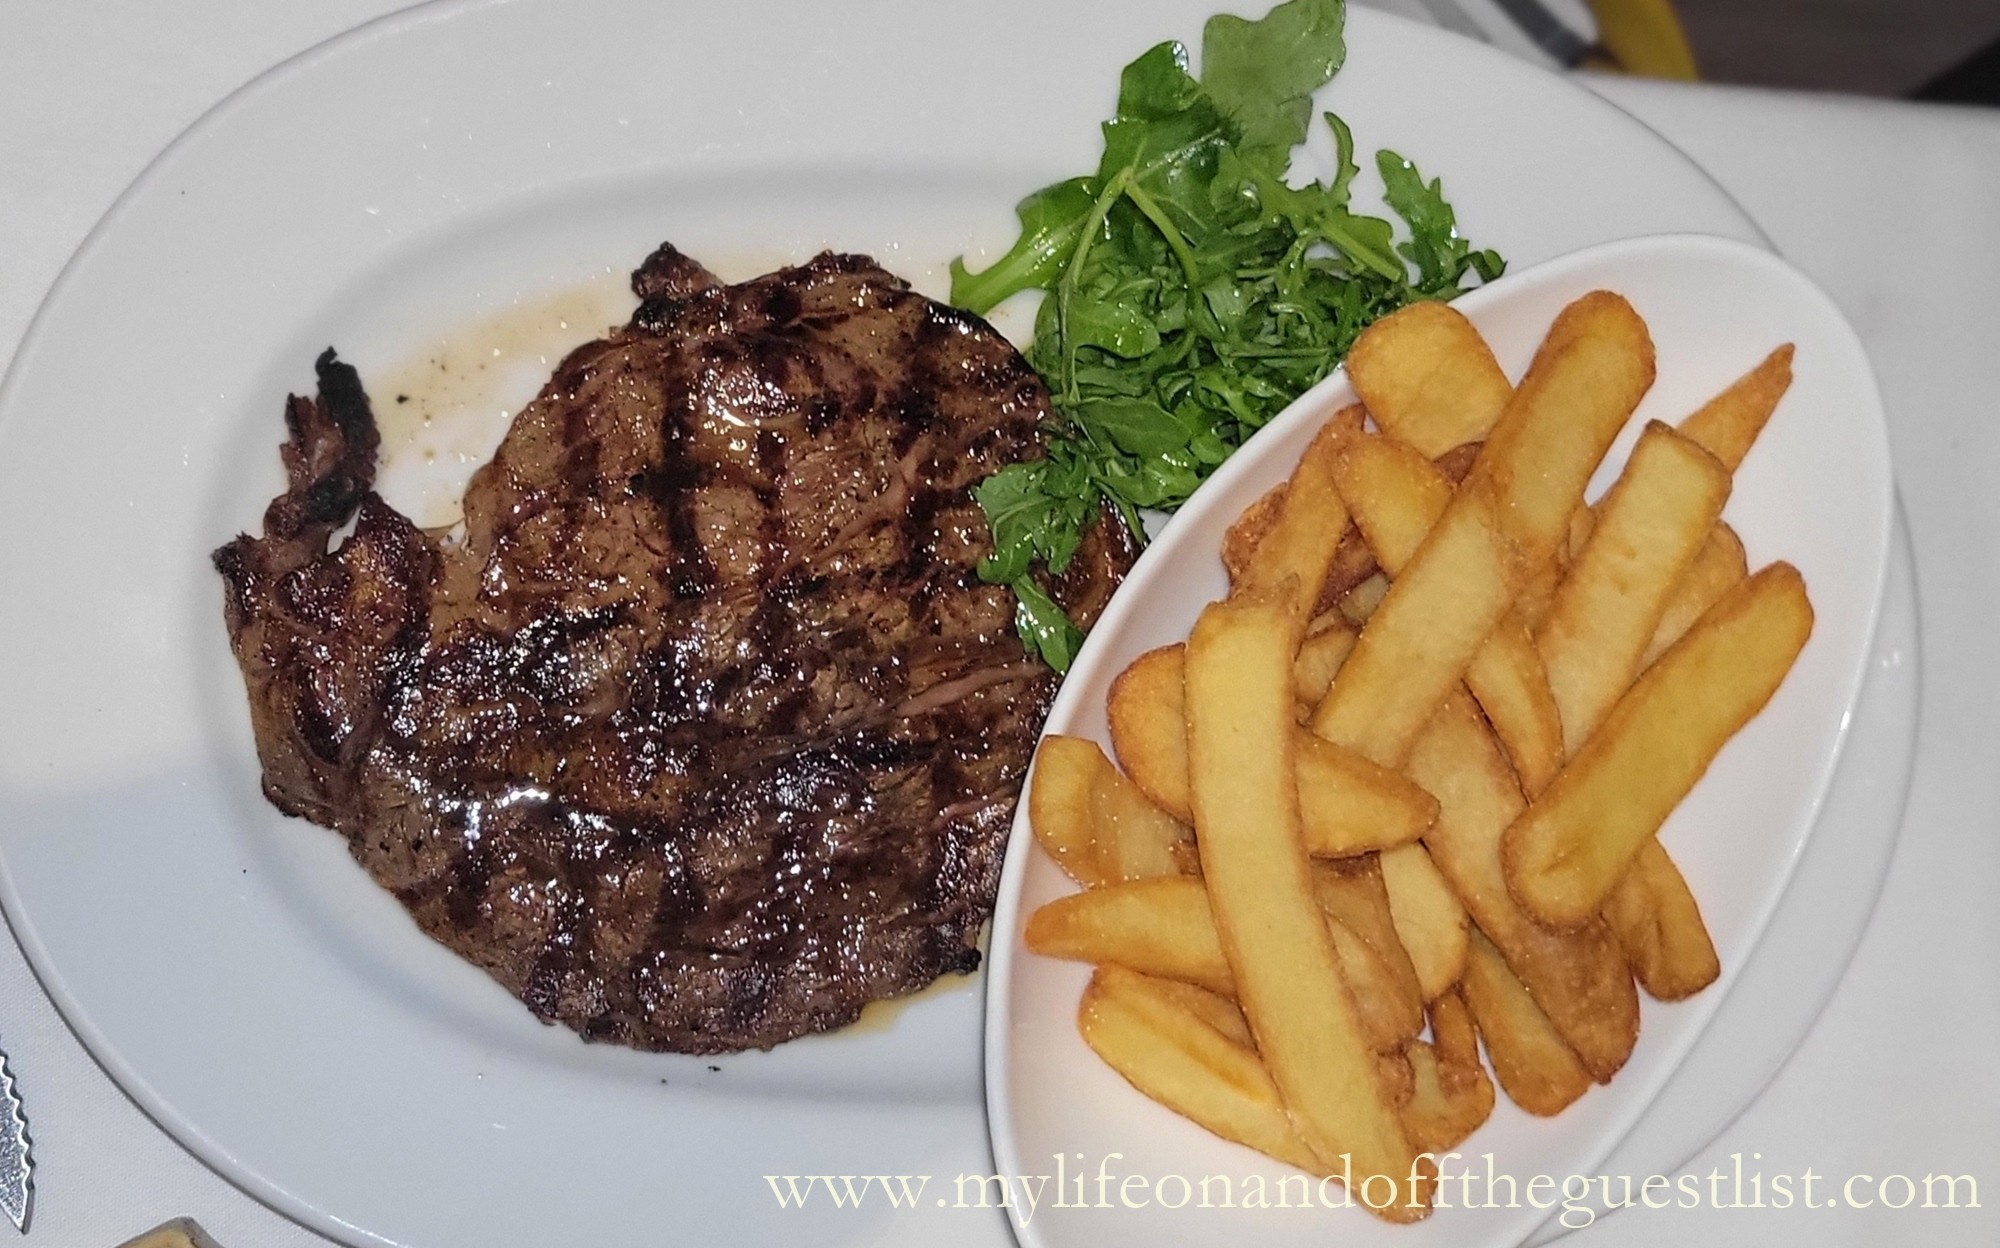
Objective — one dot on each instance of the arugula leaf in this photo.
(1191, 290)
(1044, 629)
(1435, 247)
(1263, 73)
(1050, 221)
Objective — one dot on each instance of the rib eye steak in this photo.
(705, 732)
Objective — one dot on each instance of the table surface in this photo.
(1891, 206)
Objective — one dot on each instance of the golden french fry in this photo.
(1428, 378)
(1659, 926)
(1583, 384)
(1453, 1033)
(1320, 656)
(1417, 644)
(1296, 550)
(1349, 805)
(1447, 1104)
(1358, 604)
(1450, 1094)
(1578, 978)
(1062, 806)
(1240, 539)
(1398, 1078)
(1535, 1068)
(1645, 536)
(1135, 839)
(1543, 582)
(1397, 496)
(1728, 424)
(1242, 778)
(1389, 1018)
(1191, 1051)
(1212, 1008)
(1717, 568)
(1161, 926)
(1173, 1056)
(1147, 729)
(1352, 894)
(1429, 917)
(1353, 563)
(1508, 679)
(1566, 852)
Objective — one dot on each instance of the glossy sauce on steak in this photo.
(705, 732)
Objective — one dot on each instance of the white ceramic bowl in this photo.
(1815, 491)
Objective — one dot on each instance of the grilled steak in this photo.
(704, 733)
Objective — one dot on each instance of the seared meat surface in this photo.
(704, 733)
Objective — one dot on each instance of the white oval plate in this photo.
(1815, 491)
(233, 970)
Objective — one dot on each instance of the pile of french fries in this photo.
(1397, 794)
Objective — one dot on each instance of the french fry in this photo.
(1453, 1033)
(1241, 751)
(1717, 568)
(1349, 805)
(1450, 1095)
(1646, 533)
(1147, 729)
(1160, 926)
(1429, 917)
(1320, 656)
(1441, 1114)
(1418, 642)
(1212, 1008)
(1353, 563)
(1358, 604)
(1428, 378)
(1173, 1056)
(1240, 539)
(1135, 839)
(1566, 852)
(1353, 895)
(1504, 520)
(1543, 582)
(1389, 1019)
(1582, 385)
(1163, 927)
(1508, 679)
(1578, 978)
(1296, 549)
(1062, 806)
(1397, 496)
(1659, 926)
(1533, 1065)
(1191, 1051)
(1728, 424)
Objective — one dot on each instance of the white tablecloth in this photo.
(1893, 207)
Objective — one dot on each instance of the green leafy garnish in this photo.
(1191, 292)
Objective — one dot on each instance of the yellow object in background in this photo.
(179, 1233)
(1644, 37)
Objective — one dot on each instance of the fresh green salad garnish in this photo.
(1192, 292)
